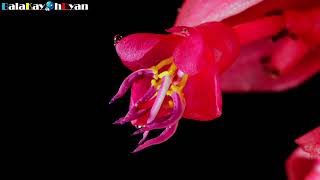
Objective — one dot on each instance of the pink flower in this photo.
(179, 74)
(279, 38)
(175, 76)
(301, 166)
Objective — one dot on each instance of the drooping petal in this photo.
(192, 54)
(222, 41)
(301, 166)
(248, 73)
(195, 12)
(203, 96)
(310, 142)
(143, 50)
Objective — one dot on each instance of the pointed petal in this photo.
(195, 12)
(192, 54)
(203, 96)
(164, 136)
(143, 50)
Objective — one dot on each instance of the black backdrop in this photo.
(66, 70)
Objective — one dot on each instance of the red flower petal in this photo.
(269, 7)
(310, 142)
(192, 54)
(144, 50)
(248, 74)
(195, 12)
(222, 42)
(301, 166)
(304, 24)
(259, 29)
(203, 96)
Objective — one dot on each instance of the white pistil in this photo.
(159, 100)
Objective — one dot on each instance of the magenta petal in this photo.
(192, 54)
(164, 136)
(144, 50)
(195, 12)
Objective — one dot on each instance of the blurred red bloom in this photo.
(280, 40)
(302, 166)
(310, 142)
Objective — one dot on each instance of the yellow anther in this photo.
(171, 104)
(155, 72)
(154, 83)
(175, 88)
(172, 69)
(164, 63)
(165, 73)
(183, 82)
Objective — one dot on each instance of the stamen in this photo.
(126, 84)
(132, 114)
(177, 112)
(164, 136)
(149, 94)
(164, 63)
(160, 97)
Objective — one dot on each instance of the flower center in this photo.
(164, 101)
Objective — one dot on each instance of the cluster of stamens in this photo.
(166, 89)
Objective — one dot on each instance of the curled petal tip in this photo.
(112, 100)
(136, 150)
(139, 131)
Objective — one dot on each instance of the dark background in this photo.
(64, 72)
